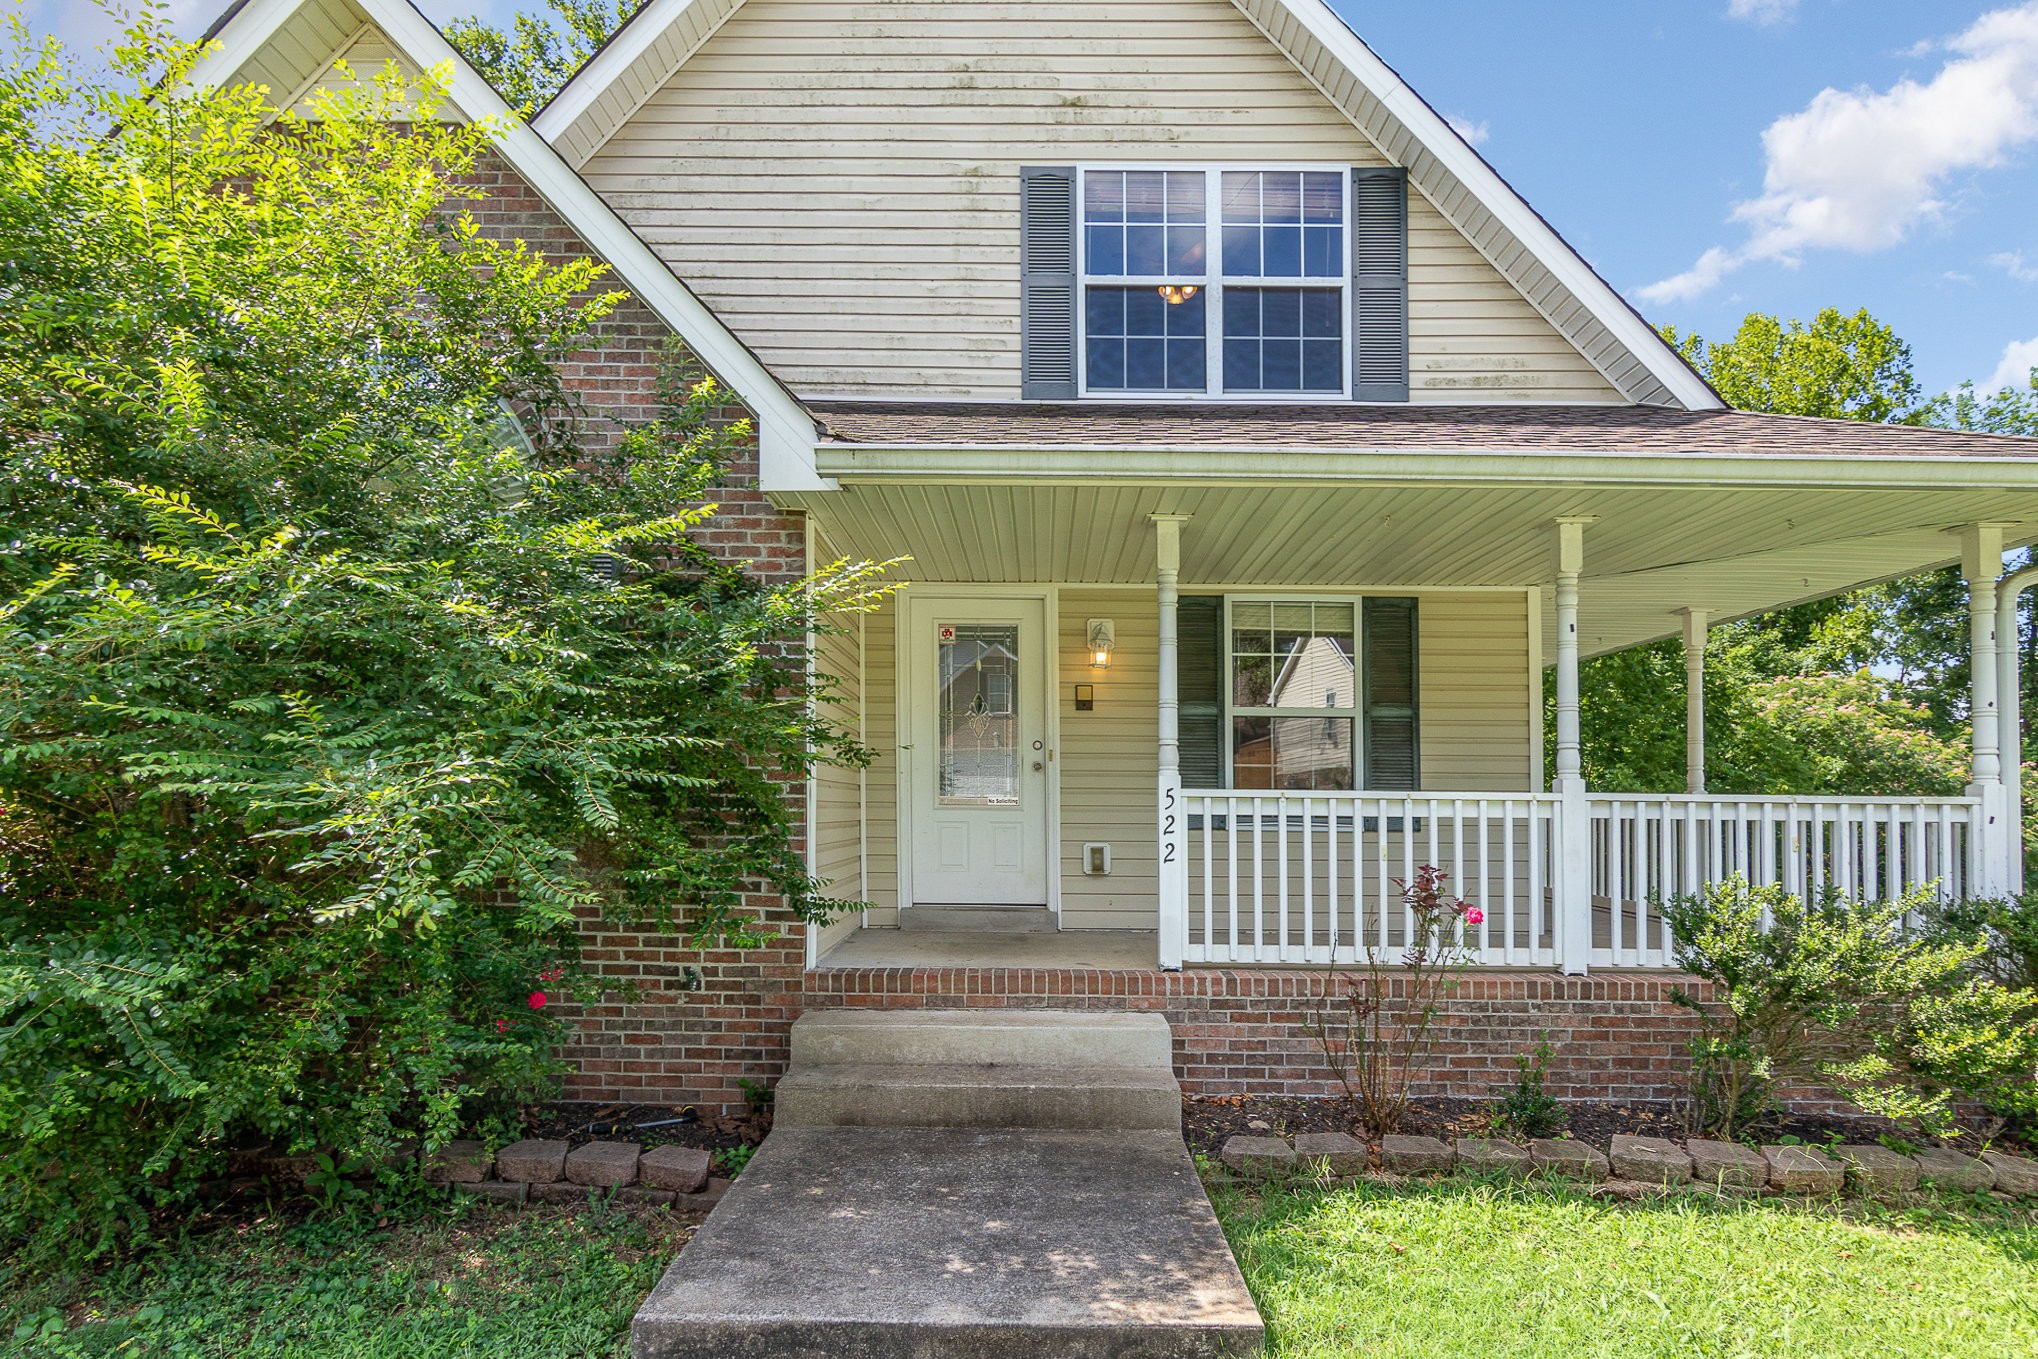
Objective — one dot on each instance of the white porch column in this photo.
(1173, 875)
(2010, 723)
(1573, 888)
(1694, 699)
(1981, 562)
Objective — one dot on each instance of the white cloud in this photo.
(2013, 263)
(1762, 11)
(1473, 130)
(1858, 170)
(2019, 358)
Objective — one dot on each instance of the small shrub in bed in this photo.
(1843, 993)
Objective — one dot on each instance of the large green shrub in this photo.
(330, 696)
(1847, 994)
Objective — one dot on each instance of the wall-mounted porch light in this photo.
(1102, 638)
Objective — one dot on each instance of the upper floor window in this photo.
(1214, 281)
(1220, 282)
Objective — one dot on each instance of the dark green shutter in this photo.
(1199, 685)
(1393, 760)
(1047, 282)
(1380, 283)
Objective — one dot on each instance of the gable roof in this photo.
(644, 55)
(285, 43)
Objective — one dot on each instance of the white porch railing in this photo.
(1646, 848)
(1310, 877)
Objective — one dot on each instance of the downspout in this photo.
(2009, 714)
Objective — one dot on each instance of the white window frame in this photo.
(1213, 285)
(1355, 712)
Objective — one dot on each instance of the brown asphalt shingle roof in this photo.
(1642, 430)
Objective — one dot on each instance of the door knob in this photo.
(1038, 766)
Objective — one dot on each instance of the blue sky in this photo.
(1713, 157)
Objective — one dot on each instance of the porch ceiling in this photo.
(1654, 549)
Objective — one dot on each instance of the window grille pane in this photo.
(1143, 223)
(1291, 753)
(1138, 341)
(1283, 224)
(1283, 340)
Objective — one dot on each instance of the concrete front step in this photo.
(1060, 1038)
(985, 919)
(851, 1243)
(978, 1095)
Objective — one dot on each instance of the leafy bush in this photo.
(1840, 992)
(341, 670)
(2007, 927)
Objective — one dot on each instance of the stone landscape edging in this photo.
(1631, 1167)
(544, 1171)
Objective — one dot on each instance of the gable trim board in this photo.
(785, 432)
(1470, 195)
(612, 85)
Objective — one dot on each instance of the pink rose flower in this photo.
(537, 1000)
(1474, 916)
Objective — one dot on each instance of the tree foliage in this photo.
(529, 61)
(341, 669)
(1837, 366)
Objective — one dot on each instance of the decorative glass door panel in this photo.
(978, 699)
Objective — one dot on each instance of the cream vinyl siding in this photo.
(301, 58)
(1472, 336)
(1474, 674)
(1108, 761)
(839, 181)
(302, 49)
(838, 802)
(367, 57)
(881, 780)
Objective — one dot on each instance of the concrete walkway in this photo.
(939, 1185)
(884, 1243)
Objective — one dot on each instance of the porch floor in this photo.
(1090, 950)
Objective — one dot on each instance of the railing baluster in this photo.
(1308, 879)
(1260, 877)
(1615, 882)
(1408, 864)
(1209, 907)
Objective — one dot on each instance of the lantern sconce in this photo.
(1102, 639)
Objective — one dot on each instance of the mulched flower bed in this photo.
(648, 1125)
(1208, 1120)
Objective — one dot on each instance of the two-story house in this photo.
(1256, 450)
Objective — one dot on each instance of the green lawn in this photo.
(1487, 1271)
(1456, 1269)
(463, 1280)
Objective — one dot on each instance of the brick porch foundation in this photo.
(1614, 1035)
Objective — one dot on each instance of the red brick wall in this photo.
(1614, 1035)
(685, 1023)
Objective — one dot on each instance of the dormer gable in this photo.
(843, 181)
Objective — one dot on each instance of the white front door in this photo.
(978, 756)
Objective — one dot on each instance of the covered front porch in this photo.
(1167, 835)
